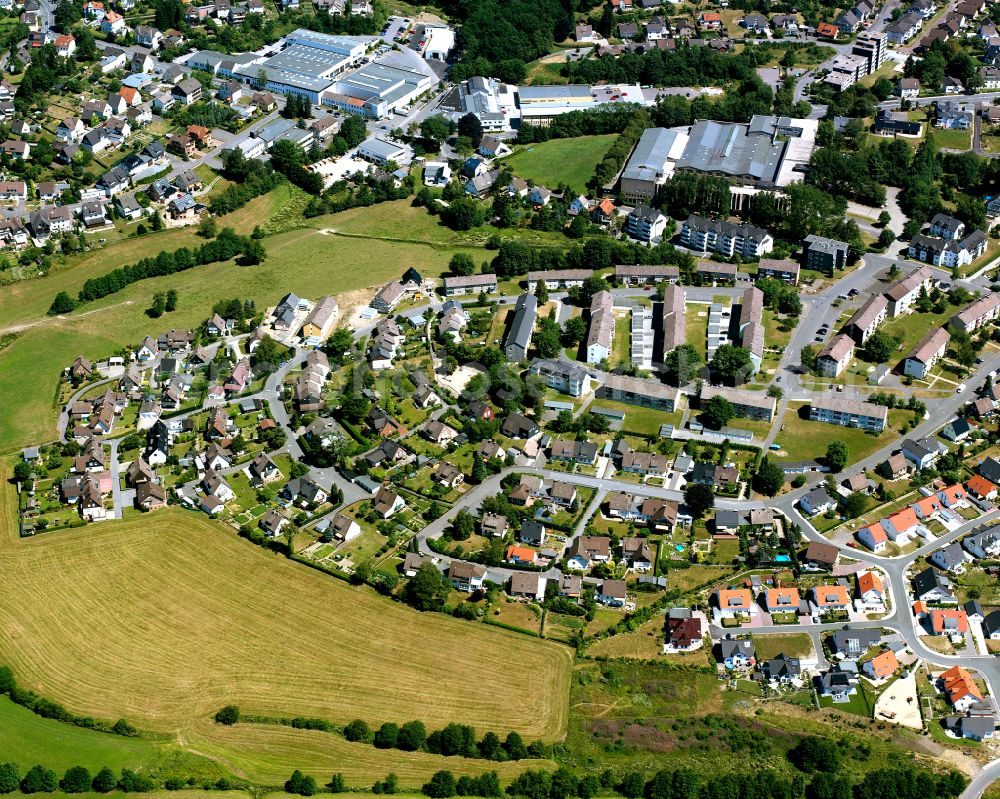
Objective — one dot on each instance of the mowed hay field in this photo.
(268, 754)
(164, 619)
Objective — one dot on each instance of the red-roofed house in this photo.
(734, 601)
(980, 487)
(927, 507)
(948, 621)
(901, 525)
(873, 537)
(710, 20)
(65, 45)
(870, 589)
(524, 555)
(831, 597)
(882, 666)
(953, 496)
(827, 30)
(960, 688)
(778, 600)
(130, 95)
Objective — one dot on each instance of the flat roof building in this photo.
(767, 151)
(652, 162)
(381, 87)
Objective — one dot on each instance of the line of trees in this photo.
(455, 740)
(515, 258)
(78, 779)
(225, 246)
(48, 709)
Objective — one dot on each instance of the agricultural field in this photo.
(268, 754)
(188, 618)
(569, 161)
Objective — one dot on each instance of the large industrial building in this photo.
(503, 107)
(490, 100)
(308, 65)
(652, 162)
(323, 69)
(378, 89)
(768, 151)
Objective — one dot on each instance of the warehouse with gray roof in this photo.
(767, 151)
(652, 162)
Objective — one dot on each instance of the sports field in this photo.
(162, 622)
(569, 161)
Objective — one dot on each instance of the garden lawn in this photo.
(803, 439)
(645, 421)
(952, 139)
(569, 161)
(796, 645)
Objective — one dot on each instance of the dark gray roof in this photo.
(854, 642)
(928, 580)
(524, 321)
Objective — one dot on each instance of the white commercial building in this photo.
(440, 42)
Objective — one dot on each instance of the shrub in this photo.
(357, 730)
(132, 782)
(387, 736)
(300, 784)
(76, 780)
(39, 780)
(441, 785)
(10, 777)
(229, 715)
(104, 781)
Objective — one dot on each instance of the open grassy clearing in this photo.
(802, 439)
(569, 161)
(268, 754)
(796, 645)
(188, 618)
(953, 139)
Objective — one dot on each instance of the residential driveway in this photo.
(976, 632)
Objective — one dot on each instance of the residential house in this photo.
(587, 550)
(882, 666)
(527, 585)
(951, 558)
(387, 502)
(733, 602)
(735, 654)
(612, 593)
(930, 586)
